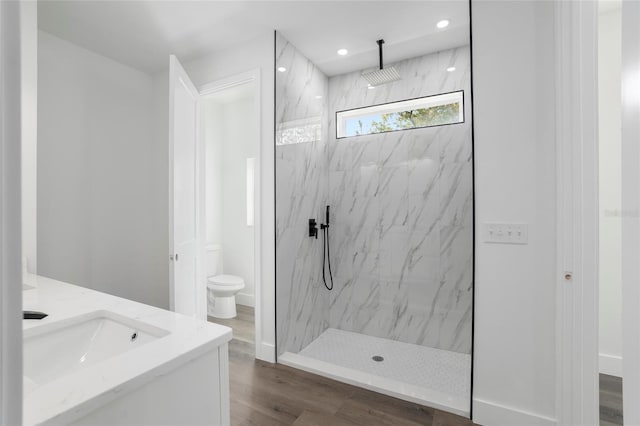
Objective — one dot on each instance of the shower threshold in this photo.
(433, 377)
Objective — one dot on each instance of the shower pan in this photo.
(384, 298)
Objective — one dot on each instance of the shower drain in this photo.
(377, 358)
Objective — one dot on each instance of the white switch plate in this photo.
(506, 233)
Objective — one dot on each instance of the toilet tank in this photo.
(213, 260)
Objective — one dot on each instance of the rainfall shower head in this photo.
(383, 75)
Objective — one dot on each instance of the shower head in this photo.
(383, 75)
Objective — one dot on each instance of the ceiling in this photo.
(143, 33)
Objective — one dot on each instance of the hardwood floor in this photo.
(273, 394)
(610, 400)
(243, 325)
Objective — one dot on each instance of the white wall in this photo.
(10, 235)
(213, 133)
(513, 88)
(255, 54)
(29, 118)
(230, 139)
(160, 189)
(609, 64)
(101, 175)
(631, 208)
(239, 143)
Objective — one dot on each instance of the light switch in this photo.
(506, 233)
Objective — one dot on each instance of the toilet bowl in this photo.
(224, 289)
(221, 288)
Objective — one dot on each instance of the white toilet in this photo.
(221, 289)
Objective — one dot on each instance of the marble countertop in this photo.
(71, 397)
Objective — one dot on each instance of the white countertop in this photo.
(73, 396)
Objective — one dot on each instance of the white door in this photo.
(188, 287)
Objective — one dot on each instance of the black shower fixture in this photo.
(313, 228)
(326, 256)
(382, 75)
(326, 260)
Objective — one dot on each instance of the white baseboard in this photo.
(246, 299)
(489, 413)
(611, 364)
(266, 352)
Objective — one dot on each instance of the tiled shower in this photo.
(401, 233)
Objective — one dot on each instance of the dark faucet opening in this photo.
(35, 315)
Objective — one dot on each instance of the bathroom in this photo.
(391, 307)
(225, 94)
(231, 135)
(289, 241)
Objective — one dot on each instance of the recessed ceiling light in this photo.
(282, 69)
(451, 69)
(443, 24)
(318, 96)
(342, 52)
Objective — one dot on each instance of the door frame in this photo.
(251, 76)
(577, 385)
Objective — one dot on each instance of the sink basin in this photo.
(64, 347)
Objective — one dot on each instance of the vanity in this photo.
(102, 360)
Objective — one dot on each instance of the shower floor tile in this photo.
(420, 374)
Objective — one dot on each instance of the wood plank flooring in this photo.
(273, 394)
(610, 400)
(243, 325)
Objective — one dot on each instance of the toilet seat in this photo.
(225, 281)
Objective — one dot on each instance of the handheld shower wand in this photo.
(326, 256)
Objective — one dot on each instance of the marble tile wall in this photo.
(401, 235)
(302, 302)
(402, 241)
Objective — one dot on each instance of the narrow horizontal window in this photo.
(436, 110)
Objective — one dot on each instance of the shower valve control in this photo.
(313, 228)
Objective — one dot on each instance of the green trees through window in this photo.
(416, 113)
(422, 117)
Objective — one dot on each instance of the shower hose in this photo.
(326, 257)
